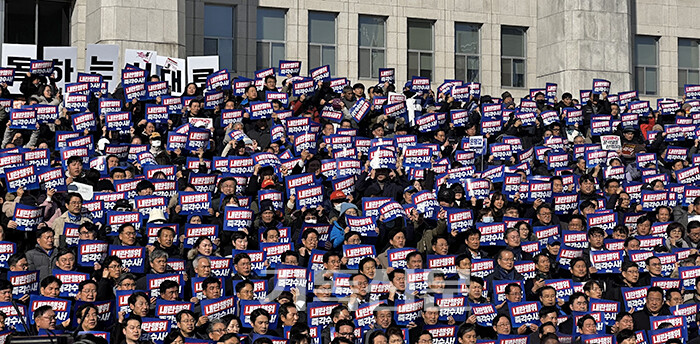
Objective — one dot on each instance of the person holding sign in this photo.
(131, 331)
(504, 270)
(45, 319)
(654, 306)
(43, 254)
(73, 215)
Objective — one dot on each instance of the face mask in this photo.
(311, 221)
(337, 206)
(155, 143)
(487, 219)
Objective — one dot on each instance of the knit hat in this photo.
(156, 215)
(266, 205)
(345, 206)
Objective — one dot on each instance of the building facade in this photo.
(514, 45)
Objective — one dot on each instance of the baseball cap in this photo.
(338, 195)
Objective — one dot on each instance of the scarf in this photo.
(73, 218)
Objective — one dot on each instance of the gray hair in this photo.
(125, 276)
(213, 322)
(195, 262)
(157, 254)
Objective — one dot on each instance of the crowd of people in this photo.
(285, 209)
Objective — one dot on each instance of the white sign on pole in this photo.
(172, 70)
(103, 59)
(64, 62)
(199, 67)
(144, 59)
(18, 56)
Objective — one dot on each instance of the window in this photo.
(513, 56)
(322, 40)
(688, 63)
(420, 48)
(218, 34)
(44, 23)
(372, 46)
(646, 64)
(467, 52)
(270, 37)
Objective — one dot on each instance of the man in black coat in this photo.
(655, 306)
(379, 183)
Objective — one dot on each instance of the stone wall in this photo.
(569, 42)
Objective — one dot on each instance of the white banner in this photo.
(65, 61)
(103, 59)
(199, 67)
(18, 56)
(144, 59)
(172, 70)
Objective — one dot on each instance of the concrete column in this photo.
(132, 24)
(578, 41)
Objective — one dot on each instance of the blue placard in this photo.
(7, 76)
(360, 109)
(355, 253)
(460, 219)
(91, 252)
(118, 121)
(407, 311)
(522, 313)
(192, 232)
(70, 281)
(46, 114)
(154, 329)
(260, 110)
(24, 118)
(61, 307)
(21, 177)
(309, 196)
(23, 283)
(27, 217)
(133, 258)
(247, 307)
(168, 309)
(387, 75)
(608, 262)
(322, 73)
(153, 282)
(237, 219)
(485, 313)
